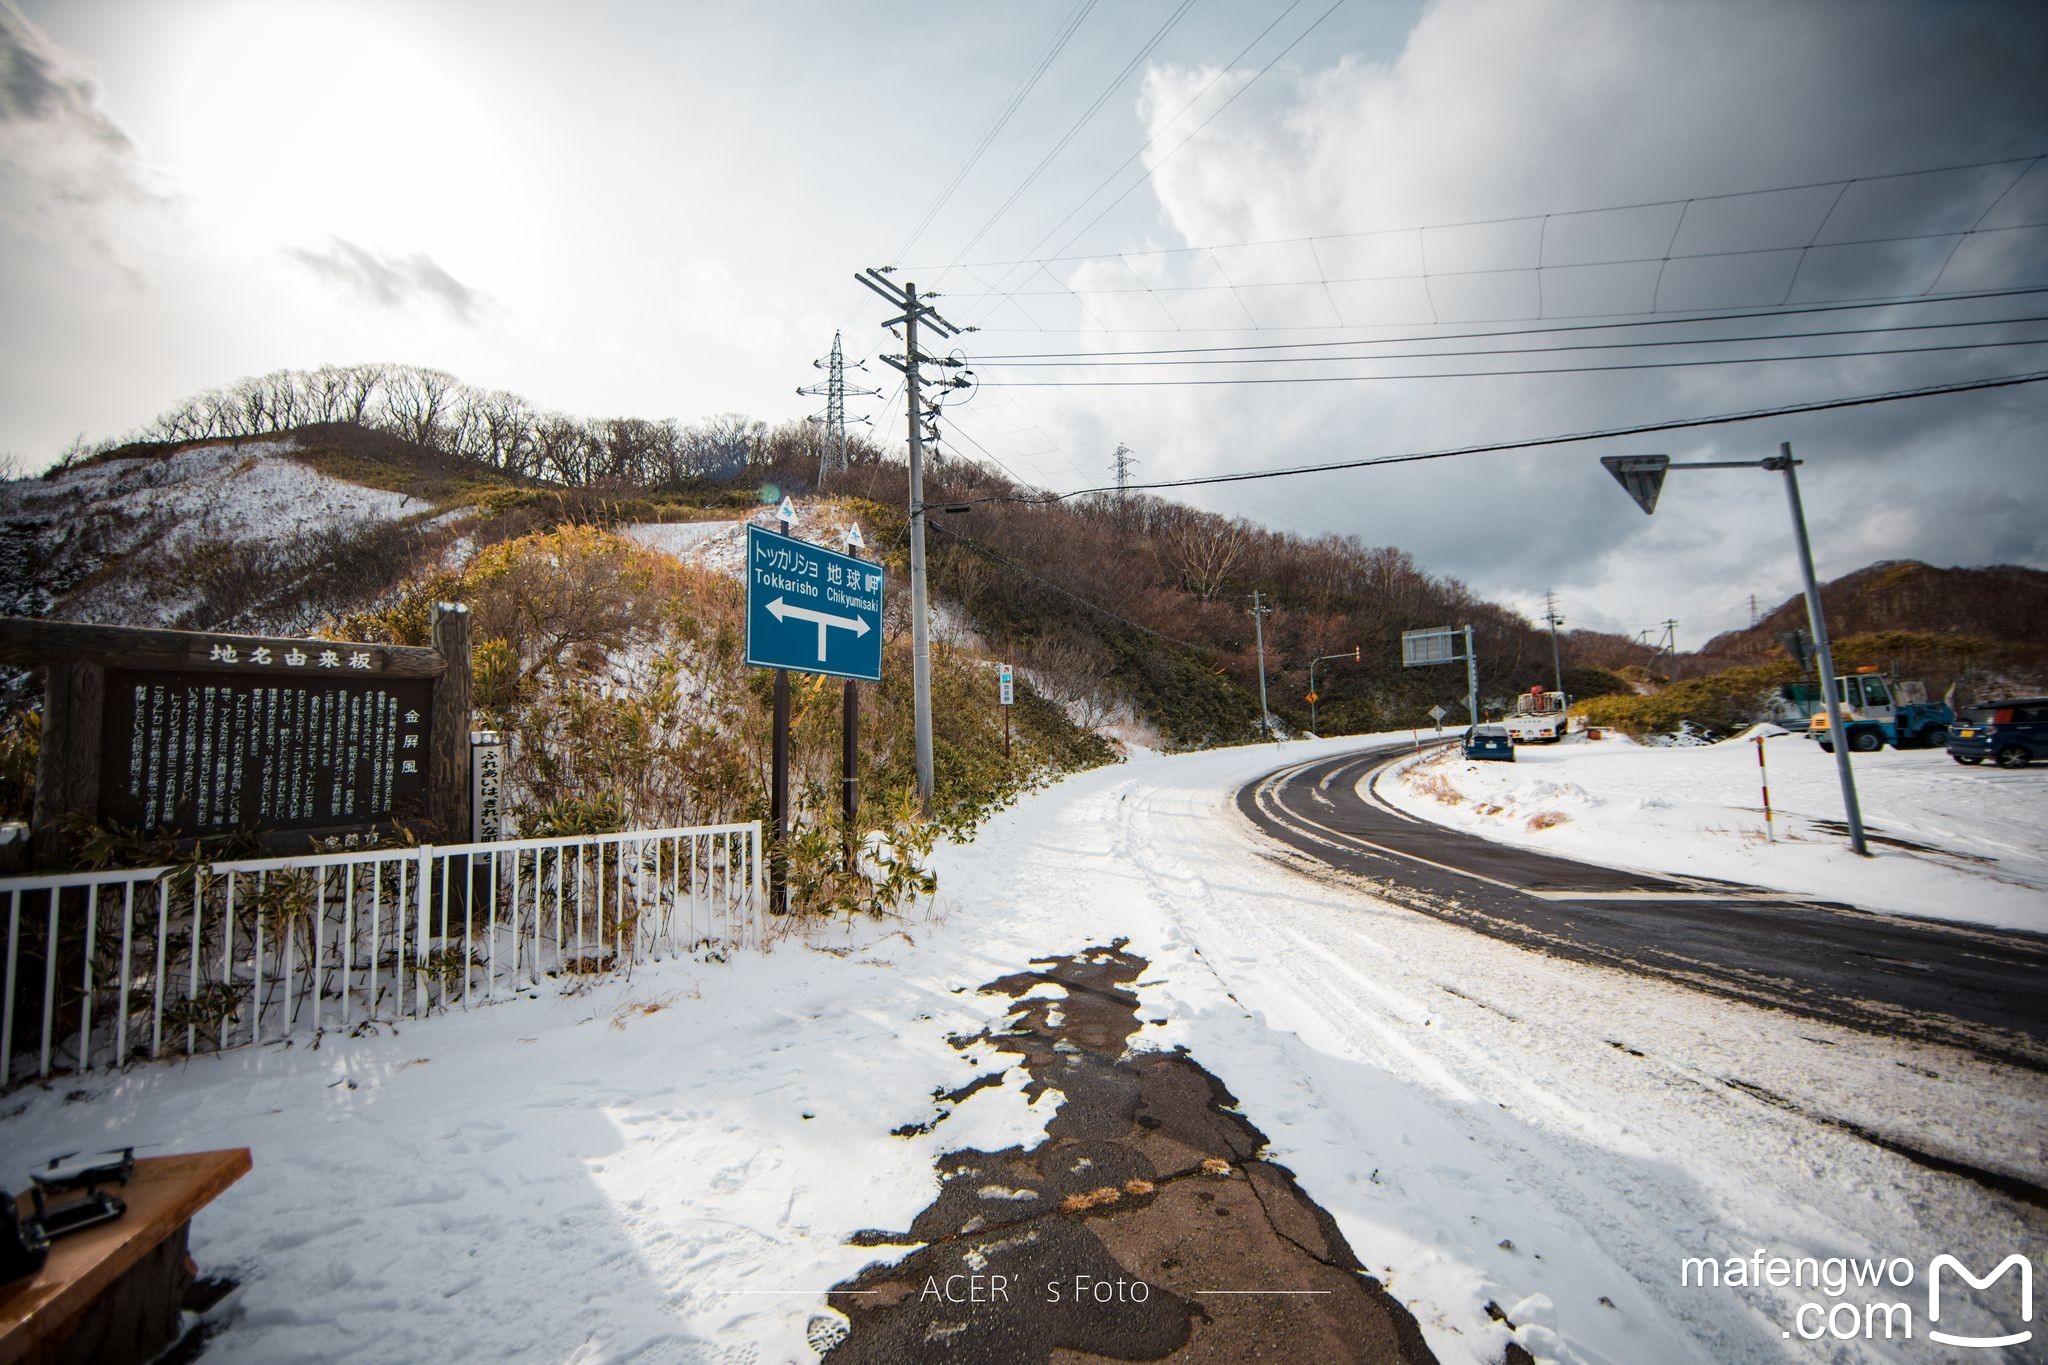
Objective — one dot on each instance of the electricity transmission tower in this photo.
(1121, 463)
(1665, 644)
(911, 367)
(833, 458)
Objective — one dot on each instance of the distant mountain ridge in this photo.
(2004, 602)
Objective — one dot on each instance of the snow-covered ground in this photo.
(721, 546)
(163, 508)
(669, 1168)
(1949, 842)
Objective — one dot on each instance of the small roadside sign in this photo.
(812, 610)
(487, 785)
(853, 538)
(1005, 686)
(1437, 714)
(786, 514)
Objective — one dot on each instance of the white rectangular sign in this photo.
(1006, 686)
(1423, 647)
(486, 786)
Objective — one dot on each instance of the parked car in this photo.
(2011, 733)
(1490, 741)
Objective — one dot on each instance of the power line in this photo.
(1541, 221)
(1115, 83)
(1079, 362)
(2030, 162)
(1108, 180)
(1153, 169)
(1490, 374)
(1001, 120)
(1227, 286)
(1533, 443)
(1745, 316)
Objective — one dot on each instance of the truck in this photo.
(1877, 710)
(1538, 718)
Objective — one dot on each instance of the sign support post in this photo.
(1006, 694)
(778, 798)
(849, 738)
(1471, 677)
(1421, 648)
(809, 610)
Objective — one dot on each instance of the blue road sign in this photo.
(812, 610)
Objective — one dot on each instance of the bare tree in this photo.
(1200, 548)
(416, 405)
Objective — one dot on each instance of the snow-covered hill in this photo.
(114, 541)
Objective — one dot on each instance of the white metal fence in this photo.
(105, 966)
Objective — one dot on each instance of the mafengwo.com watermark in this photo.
(1865, 1299)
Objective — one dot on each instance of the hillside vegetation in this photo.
(1124, 615)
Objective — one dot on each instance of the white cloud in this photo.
(1509, 109)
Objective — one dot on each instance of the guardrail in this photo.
(163, 961)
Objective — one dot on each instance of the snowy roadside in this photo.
(1951, 842)
(671, 1167)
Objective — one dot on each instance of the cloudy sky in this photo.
(655, 210)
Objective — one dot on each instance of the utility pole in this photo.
(911, 368)
(832, 460)
(1752, 611)
(1551, 617)
(1260, 612)
(1671, 650)
(849, 733)
(1123, 460)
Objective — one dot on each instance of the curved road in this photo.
(1981, 989)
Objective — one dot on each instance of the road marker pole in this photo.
(1764, 777)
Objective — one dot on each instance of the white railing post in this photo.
(423, 896)
(657, 877)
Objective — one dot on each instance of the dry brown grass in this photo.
(625, 1013)
(1091, 1199)
(1216, 1166)
(1135, 1187)
(1548, 819)
(1436, 787)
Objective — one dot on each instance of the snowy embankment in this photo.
(164, 509)
(721, 546)
(1947, 841)
(670, 1167)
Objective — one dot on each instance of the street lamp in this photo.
(1323, 659)
(1643, 477)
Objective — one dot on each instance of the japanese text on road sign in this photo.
(811, 609)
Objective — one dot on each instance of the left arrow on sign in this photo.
(782, 611)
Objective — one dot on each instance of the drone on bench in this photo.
(25, 1241)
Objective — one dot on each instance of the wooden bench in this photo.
(110, 1293)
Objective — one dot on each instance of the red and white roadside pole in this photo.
(1764, 776)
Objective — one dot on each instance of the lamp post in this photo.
(1643, 478)
(1323, 659)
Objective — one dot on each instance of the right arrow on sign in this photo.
(1641, 475)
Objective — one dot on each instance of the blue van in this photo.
(2011, 733)
(1491, 742)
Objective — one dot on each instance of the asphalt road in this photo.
(1980, 989)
